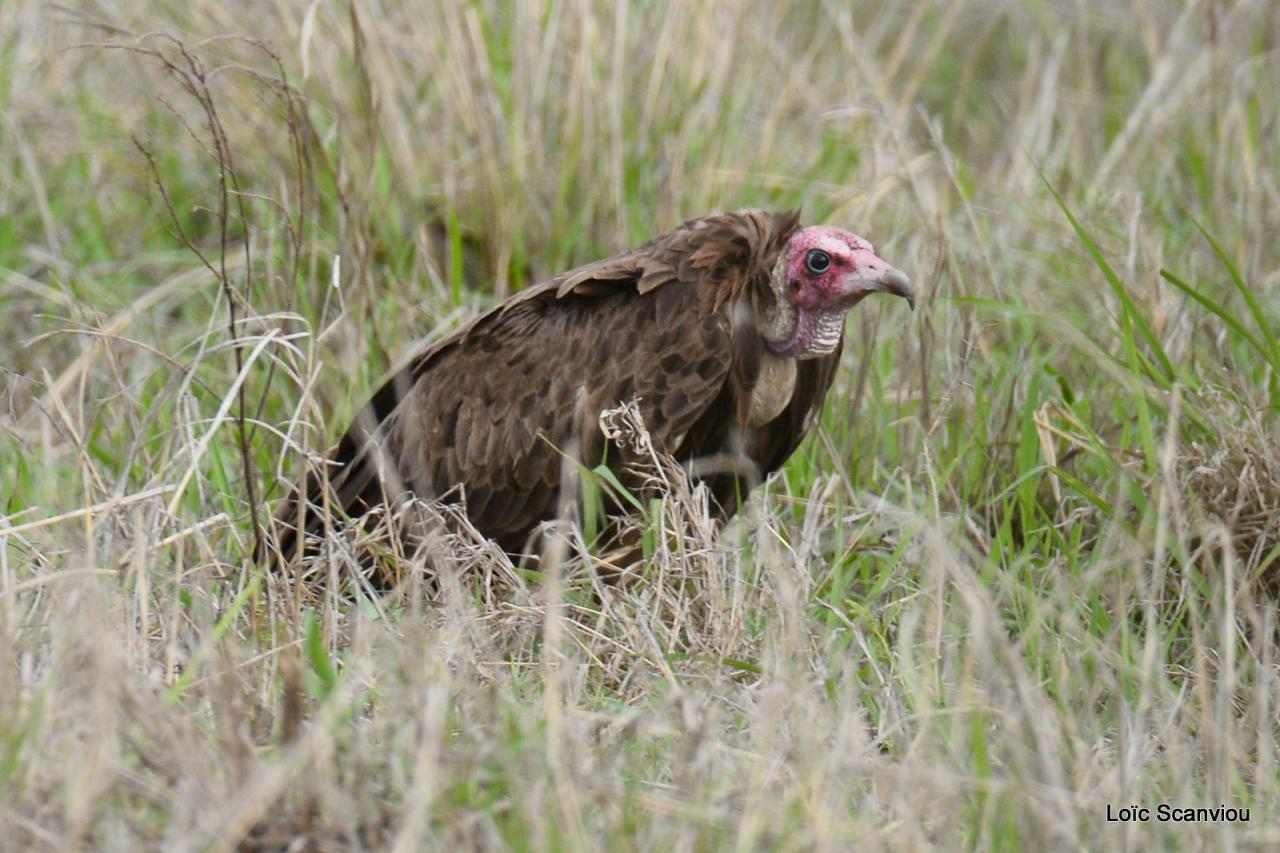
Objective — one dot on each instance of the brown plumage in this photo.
(724, 330)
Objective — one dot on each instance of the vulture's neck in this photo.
(773, 388)
(775, 319)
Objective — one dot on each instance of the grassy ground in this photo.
(1021, 573)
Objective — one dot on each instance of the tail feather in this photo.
(347, 487)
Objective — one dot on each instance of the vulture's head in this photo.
(821, 274)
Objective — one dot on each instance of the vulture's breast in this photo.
(773, 389)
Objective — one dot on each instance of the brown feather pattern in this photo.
(487, 411)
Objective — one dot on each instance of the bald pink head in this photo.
(824, 272)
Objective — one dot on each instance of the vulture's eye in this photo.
(817, 261)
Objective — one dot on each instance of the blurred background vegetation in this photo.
(1023, 569)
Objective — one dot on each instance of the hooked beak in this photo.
(891, 280)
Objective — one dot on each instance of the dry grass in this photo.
(1020, 574)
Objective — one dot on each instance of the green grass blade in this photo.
(1166, 374)
(606, 474)
(326, 677)
(1224, 315)
(1245, 291)
(219, 631)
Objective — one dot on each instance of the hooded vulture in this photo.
(726, 333)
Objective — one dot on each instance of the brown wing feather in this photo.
(522, 397)
(486, 408)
